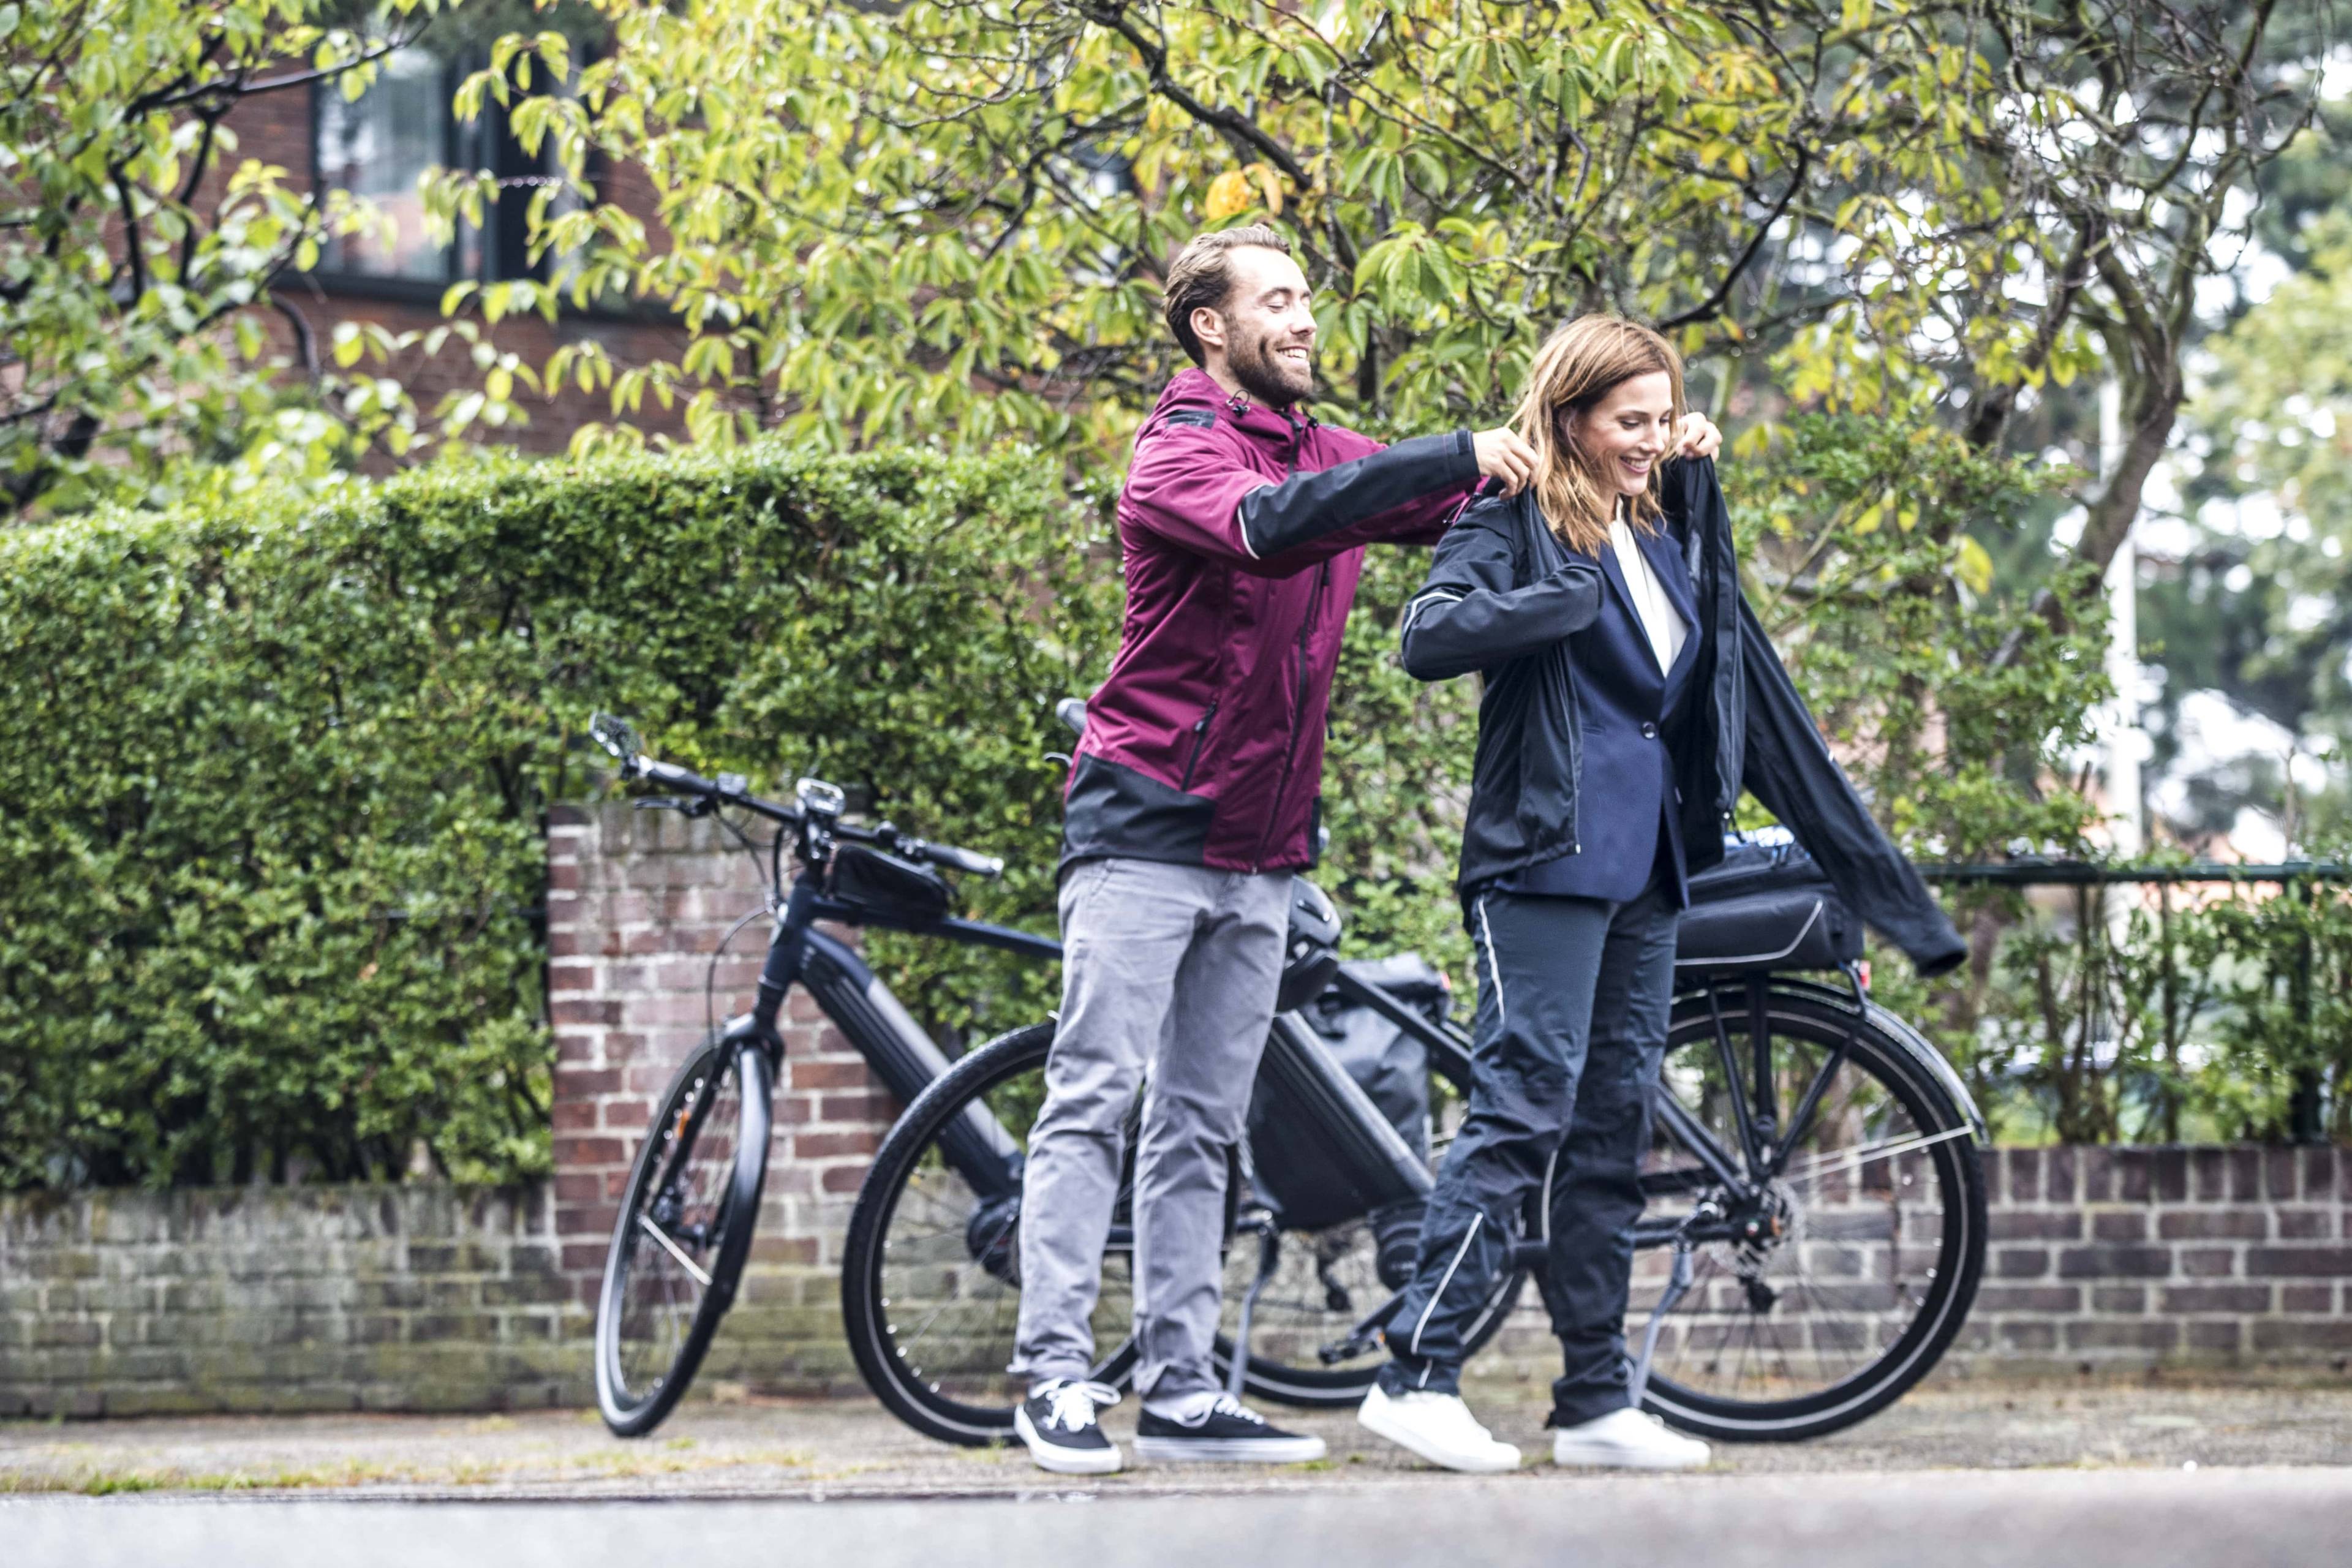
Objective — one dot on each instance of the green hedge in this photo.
(272, 788)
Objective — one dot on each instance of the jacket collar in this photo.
(1196, 388)
(1667, 568)
(1666, 564)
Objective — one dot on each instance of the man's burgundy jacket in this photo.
(1243, 532)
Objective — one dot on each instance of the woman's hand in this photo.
(1700, 437)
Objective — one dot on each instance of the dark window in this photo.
(376, 147)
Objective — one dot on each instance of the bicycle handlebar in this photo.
(949, 855)
(728, 789)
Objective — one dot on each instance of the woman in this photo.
(1628, 696)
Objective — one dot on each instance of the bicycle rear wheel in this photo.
(930, 1290)
(686, 1219)
(1867, 1247)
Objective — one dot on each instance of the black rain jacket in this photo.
(1502, 598)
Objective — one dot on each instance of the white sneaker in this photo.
(1627, 1440)
(1439, 1427)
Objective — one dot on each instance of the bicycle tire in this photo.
(1877, 1046)
(672, 1137)
(904, 1388)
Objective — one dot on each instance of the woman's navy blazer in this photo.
(1505, 598)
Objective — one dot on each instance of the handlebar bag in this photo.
(1765, 907)
(891, 889)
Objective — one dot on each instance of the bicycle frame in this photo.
(876, 1023)
(908, 1061)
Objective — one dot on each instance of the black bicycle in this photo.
(1815, 1227)
(691, 1205)
(1816, 1272)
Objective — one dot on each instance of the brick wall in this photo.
(276, 128)
(636, 901)
(2214, 1261)
(284, 1299)
(2214, 1258)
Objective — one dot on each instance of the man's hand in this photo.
(1503, 456)
(1700, 437)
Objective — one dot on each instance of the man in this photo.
(1192, 799)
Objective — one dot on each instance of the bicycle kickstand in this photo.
(1677, 1281)
(1269, 1257)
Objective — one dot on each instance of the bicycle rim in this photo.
(931, 1279)
(685, 1227)
(1880, 1217)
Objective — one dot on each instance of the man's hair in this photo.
(1201, 276)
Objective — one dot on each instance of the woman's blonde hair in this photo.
(1577, 367)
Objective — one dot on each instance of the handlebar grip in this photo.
(965, 860)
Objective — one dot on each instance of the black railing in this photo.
(2032, 873)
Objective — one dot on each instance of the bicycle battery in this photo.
(1321, 1151)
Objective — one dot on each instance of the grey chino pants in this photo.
(1169, 975)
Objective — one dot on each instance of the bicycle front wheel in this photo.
(1854, 1267)
(684, 1227)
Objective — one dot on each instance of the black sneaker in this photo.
(1057, 1422)
(1225, 1433)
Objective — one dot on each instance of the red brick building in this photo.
(376, 148)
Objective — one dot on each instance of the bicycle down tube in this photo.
(878, 1024)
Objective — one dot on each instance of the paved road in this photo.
(2244, 1519)
(850, 1448)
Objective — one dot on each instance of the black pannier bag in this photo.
(1766, 907)
(1309, 1193)
(894, 891)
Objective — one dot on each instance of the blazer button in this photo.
(1649, 732)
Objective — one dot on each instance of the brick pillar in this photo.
(636, 902)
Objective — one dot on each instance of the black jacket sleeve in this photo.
(1789, 769)
(1275, 519)
(1472, 614)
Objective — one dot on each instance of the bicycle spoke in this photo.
(1842, 1243)
(1851, 1158)
(676, 1252)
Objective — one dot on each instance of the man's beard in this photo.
(1270, 380)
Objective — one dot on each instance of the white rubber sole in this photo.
(1063, 1461)
(1230, 1450)
(1380, 1420)
(1607, 1457)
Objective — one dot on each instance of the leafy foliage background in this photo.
(272, 784)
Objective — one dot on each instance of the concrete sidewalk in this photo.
(852, 1449)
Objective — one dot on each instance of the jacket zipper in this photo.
(1298, 707)
(1575, 704)
(1200, 741)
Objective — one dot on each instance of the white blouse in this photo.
(1651, 606)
